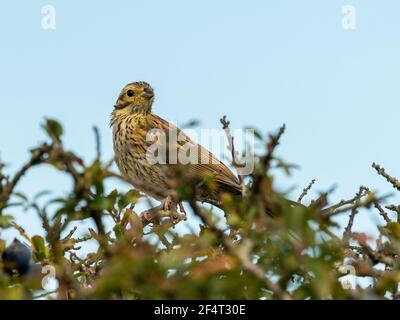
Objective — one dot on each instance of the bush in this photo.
(249, 255)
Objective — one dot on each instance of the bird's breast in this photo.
(130, 147)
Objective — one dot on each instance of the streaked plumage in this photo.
(132, 119)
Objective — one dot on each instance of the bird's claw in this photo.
(169, 208)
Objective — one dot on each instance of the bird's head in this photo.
(137, 97)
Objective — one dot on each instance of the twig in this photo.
(375, 256)
(344, 202)
(348, 205)
(245, 261)
(382, 212)
(392, 180)
(21, 231)
(394, 209)
(98, 141)
(271, 146)
(70, 234)
(266, 160)
(306, 190)
(43, 295)
(231, 142)
(36, 158)
(353, 213)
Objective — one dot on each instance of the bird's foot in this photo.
(173, 215)
(167, 209)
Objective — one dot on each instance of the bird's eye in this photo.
(130, 93)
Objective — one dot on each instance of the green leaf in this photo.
(2, 246)
(21, 196)
(118, 230)
(41, 194)
(39, 248)
(5, 221)
(394, 227)
(130, 198)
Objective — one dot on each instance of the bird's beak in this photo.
(148, 93)
(120, 104)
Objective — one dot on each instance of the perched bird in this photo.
(132, 119)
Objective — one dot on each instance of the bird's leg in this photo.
(165, 209)
(169, 209)
(167, 204)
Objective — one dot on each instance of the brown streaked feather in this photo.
(208, 164)
(132, 120)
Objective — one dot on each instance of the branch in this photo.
(231, 141)
(394, 209)
(348, 205)
(271, 146)
(382, 212)
(306, 190)
(36, 158)
(353, 213)
(245, 261)
(392, 180)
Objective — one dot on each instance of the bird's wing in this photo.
(207, 163)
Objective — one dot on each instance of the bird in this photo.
(131, 121)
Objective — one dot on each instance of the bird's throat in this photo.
(142, 110)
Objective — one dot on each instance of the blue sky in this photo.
(262, 63)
